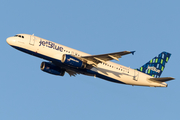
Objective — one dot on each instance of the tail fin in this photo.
(156, 66)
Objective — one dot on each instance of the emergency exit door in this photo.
(136, 75)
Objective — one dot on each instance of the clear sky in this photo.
(96, 27)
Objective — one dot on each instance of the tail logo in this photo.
(153, 69)
(156, 65)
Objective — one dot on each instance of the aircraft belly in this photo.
(124, 78)
(107, 75)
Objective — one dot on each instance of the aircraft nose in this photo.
(10, 40)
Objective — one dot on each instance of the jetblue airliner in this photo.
(61, 59)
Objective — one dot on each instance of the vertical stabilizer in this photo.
(156, 65)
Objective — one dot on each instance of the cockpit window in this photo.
(19, 36)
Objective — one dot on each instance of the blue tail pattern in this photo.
(156, 65)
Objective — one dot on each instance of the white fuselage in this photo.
(111, 71)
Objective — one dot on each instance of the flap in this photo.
(71, 72)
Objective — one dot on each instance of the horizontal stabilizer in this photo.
(163, 79)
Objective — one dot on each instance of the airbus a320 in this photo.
(61, 59)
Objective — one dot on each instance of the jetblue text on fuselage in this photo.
(50, 45)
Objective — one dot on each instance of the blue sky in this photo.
(95, 27)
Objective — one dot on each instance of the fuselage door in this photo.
(136, 75)
(32, 40)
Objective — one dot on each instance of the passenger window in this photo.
(22, 36)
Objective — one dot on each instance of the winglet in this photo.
(133, 52)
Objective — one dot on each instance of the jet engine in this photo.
(52, 69)
(73, 61)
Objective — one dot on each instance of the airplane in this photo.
(61, 59)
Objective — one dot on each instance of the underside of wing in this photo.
(71, 72)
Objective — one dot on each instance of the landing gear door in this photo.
(32, 40)
(136, 75)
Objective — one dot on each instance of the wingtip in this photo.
(133, 52)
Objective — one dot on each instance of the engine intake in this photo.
(73, 61)
(52, 69)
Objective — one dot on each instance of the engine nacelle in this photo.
(72, 61)
(52, 69)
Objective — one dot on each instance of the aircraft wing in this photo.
(95, 59)
(71, 72)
